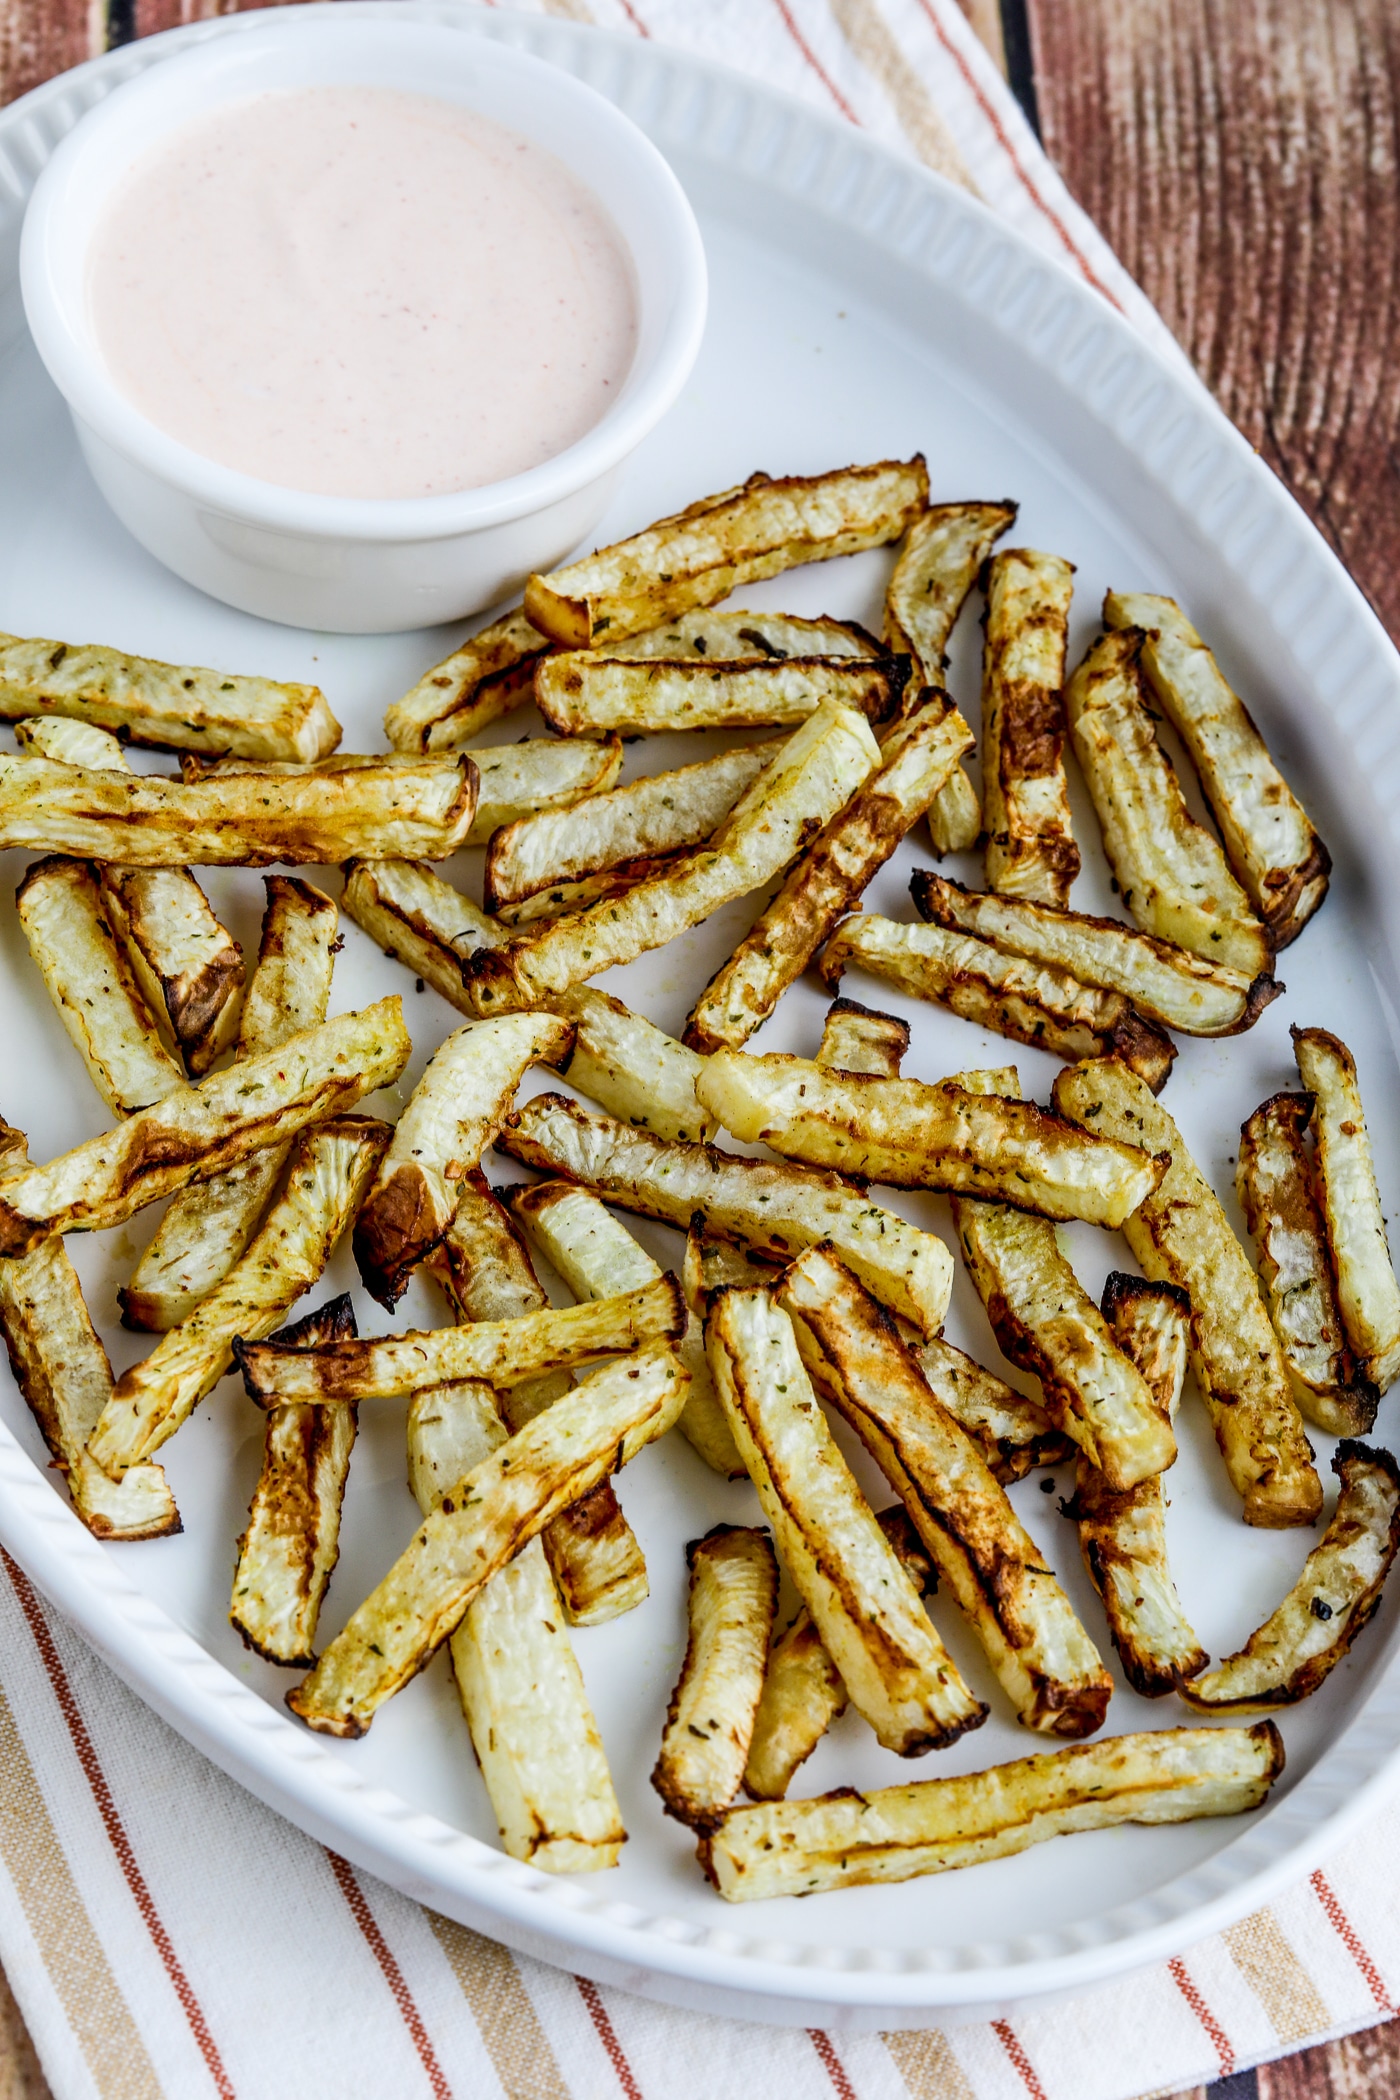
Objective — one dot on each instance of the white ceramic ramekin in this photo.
(349, 564)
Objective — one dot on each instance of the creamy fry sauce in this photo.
(357, 292)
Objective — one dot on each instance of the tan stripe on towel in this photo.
(68, 1944)
(926, 2063)
(509, 2025)
(1264, 1957)
(571, 10)
(869, 36)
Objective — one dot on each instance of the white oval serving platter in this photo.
(860, 308)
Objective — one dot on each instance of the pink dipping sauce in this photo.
(356, 292)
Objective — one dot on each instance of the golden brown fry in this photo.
(518, 1678)
(208, 1224)
(1047, 1324)
(200, 1130)
(1042, 1656)
(1030, 838)
(486, 677)
(1301, 1643)
(1180, 1235)
(1272, 845)
(628, 1064)
(717, 546)
(188, 965)
(503, 1352)
(911, 1135)
(487, 1274)
(479, 1525)
(725, 637)
(289, 1551)
(1171, 872)
(1164, 982)
(842, 1839)
(813, 775)
(1013, 1434)
(581, 694)
(453, 1114)
(174, 706)
(1273, 1181)
(89, 978)
(867, 1609)
(938, 564)
(1351, 1205)
(596, 1256)
(1029, 1002)
(235, 819)
(61, 1368)
(710, 1265)
(830, 877)
(328, 1172)
(548, 855)
(1122, 1534)
(802, 1690)
(858, 1038)
(766, 1206)
(710, 1720)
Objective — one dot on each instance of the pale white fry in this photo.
(710, 1720)
(858, 1038)
(486, 677)
(1346, 1176)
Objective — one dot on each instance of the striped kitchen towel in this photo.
(167, 1937)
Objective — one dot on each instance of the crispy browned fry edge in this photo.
(802, 1689)
(752, 1203)
(486, 1271)
(453, 1114)
(1273, 1181)
(710, 1719)
(65, 1378)
(1025, 798)
(1336, 1565)
(907, 1133)
(1039, 1651)
(1172, 873)
(858, 1038)
(200, 1000)
(484, 678)
(328, 1169)
(480, 1524)
(896, 1669)
(1122, 1534)
(704, 553)
(294, 1517)
(831, 876)
(200, 1130)
(813, 774)
(1367, 1288)
(232, 819)
(947, 903)
(617, 835)
(207, 1225)
(1028, 1002)
(844, 1838)
(583, 694)
(1180, 1235)
(1014, 1435)
(1249, 797)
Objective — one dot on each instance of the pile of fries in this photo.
(798, 1294)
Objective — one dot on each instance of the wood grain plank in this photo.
(1243, 157)
(39, 38)
(148, 16)
(1362, 2066)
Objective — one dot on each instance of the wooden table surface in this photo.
(1243, 158)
